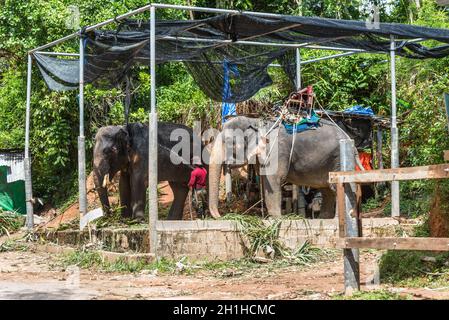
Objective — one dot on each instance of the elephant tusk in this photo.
(106, 180)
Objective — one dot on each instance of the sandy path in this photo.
(28, 275)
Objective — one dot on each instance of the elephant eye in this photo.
(110, 150)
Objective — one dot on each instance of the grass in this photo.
(10, 222)
(86, 259)
(373, 295)
(12, 245)
(408, 269)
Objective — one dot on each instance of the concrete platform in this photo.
(220, 239)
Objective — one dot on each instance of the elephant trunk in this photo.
(215, 165)
(101, 180)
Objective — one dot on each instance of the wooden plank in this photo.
(437, 171)
(443, 2)
(446, 155)
(412, 243)
(341, 208)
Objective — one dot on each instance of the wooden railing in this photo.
(348, 186)
(342, 178)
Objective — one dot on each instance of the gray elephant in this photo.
(125, 149)
(315, 153)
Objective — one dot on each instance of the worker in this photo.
(197, 186)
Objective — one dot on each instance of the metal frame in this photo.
(153, 114)
(394, 131)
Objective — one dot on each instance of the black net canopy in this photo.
(215, 53)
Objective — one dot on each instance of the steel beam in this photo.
(328, 57)
(82, 193)
(152, 140)
(93, 27)
(394, 132)
(27, 161)
(351, 260)
(216, 10)
(58, 54)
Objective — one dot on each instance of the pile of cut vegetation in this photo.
(10, 222)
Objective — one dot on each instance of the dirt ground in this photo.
(30, 275)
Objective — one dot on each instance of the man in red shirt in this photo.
(197, 186)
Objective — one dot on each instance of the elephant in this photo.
(315, 153)
(125, 149)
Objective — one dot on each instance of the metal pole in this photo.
(152, 140)
(295, 189)
(92, 28)
(394, 132)
(298, 69)
(81, 138)
(216, 10)
(27, 162)
(58, 54)
(350, 256)
(330, 57)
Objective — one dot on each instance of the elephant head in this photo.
(110, 156)
(236, 145)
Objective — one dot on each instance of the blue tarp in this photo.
(357, 109)
(228, 108)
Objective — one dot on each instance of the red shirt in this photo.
(365, 160)
(198, 178)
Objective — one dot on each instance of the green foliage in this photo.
(373, 295)
(83, 259)
(338, 83)
(13, 245)
(10, 222)
(408, 268)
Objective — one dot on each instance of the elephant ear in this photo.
(122, 140)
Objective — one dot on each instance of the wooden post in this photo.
(379, 143)
(446, 104)
(341, 209)
(446, 155)
(350, 256)
(379, 157)
(359, 208)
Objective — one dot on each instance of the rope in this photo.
(271, 149)
(293, 144)
(274, 125)
(356, 153)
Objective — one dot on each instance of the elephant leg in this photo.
(138, 194)
(125, 194)
(328, 205)
(180, 192)
(273, 195)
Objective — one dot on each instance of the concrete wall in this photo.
(219, 240)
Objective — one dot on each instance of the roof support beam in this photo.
(215, 10)
(92, 28)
